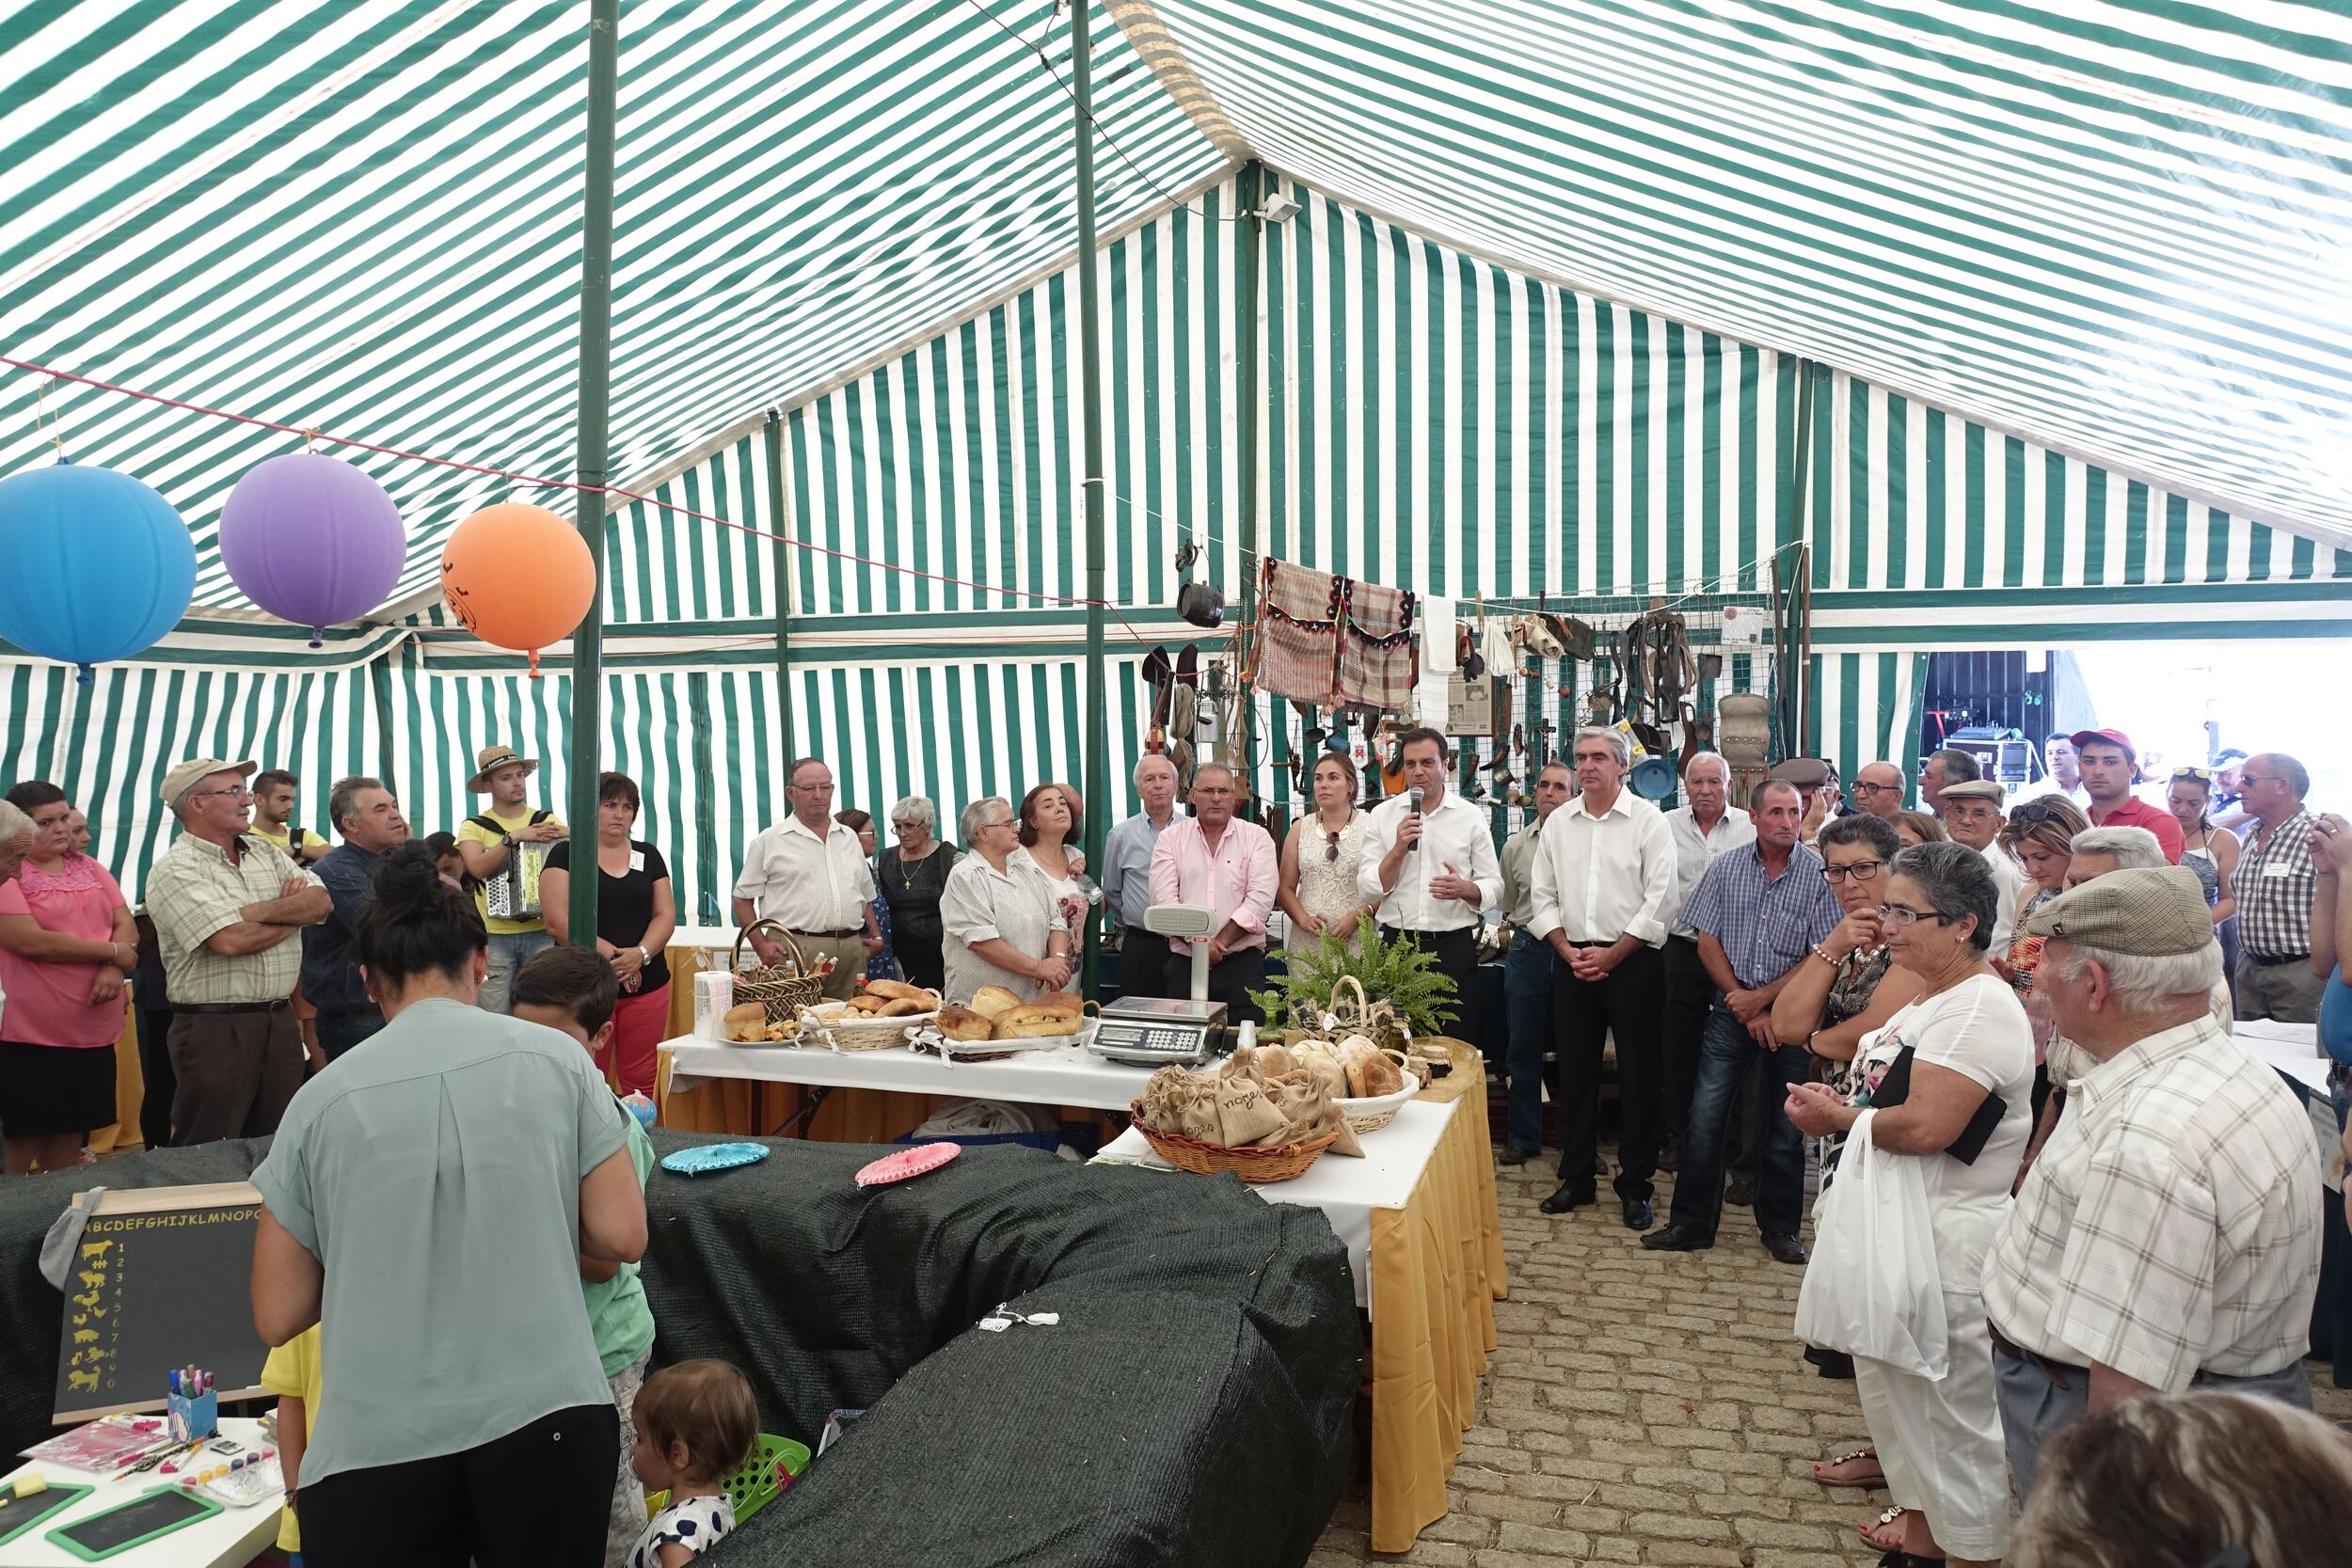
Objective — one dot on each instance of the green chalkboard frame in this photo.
(62, 1537)
(54, 1501)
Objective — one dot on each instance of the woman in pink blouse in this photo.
(66, 941)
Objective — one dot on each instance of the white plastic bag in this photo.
(1873, 1287)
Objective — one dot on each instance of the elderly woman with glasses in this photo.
(998, 914)
(1954, 1097)
(913, 876)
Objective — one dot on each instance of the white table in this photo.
(229, 1539)
(1347, 1191)
(1068, 1075)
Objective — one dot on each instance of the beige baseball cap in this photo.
(189, 774)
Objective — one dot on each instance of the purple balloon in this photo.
(312, 539)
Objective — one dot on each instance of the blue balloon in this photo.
(98, 565)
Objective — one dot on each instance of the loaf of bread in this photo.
(897, 990)
(1380, 1076)
(898, 1007)
(1033, 1022)
(962, 1023)
(992, 1000)
(745, 1020)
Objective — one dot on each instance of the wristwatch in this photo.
(643, 957)
(506, 841)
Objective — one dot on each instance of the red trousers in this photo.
(640, 1024)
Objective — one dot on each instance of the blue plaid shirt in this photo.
(1766, 924)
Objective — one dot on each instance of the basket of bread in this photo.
(996, 1024)
(880, 1015)
(1370, 1082)
(1261, 1114)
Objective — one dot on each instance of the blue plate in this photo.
(706, 1158)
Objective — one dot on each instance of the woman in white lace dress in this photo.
(1316, 885)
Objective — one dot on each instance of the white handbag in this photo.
(1873, 1288)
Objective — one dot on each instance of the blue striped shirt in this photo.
(1766, 924)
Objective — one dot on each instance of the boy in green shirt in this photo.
(505, 849)
(573, 991)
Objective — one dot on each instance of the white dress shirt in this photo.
(1456, 836)
(2009, 877)
(805, 883)
(1596, 878)
(1695, 851)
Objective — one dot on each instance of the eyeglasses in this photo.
(240, 793)
(1899, 916)
(1864, 786)
(1862, 870)
(1002, 822)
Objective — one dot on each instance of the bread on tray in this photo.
(989, 1001)
(962, 1023)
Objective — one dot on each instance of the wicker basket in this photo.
(857, 1031)
(1278, 1163)
(781, 993)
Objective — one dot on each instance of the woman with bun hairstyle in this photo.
(427, 1204)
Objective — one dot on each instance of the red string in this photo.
(309, 434)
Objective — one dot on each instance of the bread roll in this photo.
(898, 1007)
(897, 991)
(1061, 1001)
(1380, 1076)
(745, 1020)
(992, 1000)
(1036, 1020)
(1355, 1068)
(962, 1023)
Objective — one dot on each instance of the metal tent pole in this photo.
(1098, 773)
(779, 522)
(595, 357)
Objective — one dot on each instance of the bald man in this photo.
(1878, 789)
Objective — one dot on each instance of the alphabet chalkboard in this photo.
(162, 1278)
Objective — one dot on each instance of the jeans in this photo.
(1585, 1016)
(1690, 996)
(1527, 1005)
(339, 1032)
(507, 954)
(1725, 1056)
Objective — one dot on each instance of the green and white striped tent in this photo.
(2056, 300)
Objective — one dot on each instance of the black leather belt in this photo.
(2263, 963)
(214, 1009)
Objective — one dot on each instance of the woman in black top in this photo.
(636, 915)
(911, 876)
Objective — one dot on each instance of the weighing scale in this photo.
(1151, 1031)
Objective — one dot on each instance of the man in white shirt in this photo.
(1702, 831)
(1972, 814)
(1430, 873)
(1602, 874)
(810, 875)
(2168, 1235)
(1527, 978)
(2065, 775)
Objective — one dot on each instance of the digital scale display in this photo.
(1153, 1031)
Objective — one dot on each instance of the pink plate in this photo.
(907, 1163)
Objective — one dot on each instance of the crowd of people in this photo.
(2022, 1006)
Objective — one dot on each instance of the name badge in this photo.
(2277, 868)
(637, 859)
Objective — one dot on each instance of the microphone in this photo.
(1412, 799)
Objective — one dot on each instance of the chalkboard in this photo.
(162, 1278)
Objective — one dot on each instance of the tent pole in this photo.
(1248, 385)
(1098, 773)
(595, 357)
(780, 524)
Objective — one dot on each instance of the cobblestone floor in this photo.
(1644, 1408)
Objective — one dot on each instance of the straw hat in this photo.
(489, 760)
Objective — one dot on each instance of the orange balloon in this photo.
(518, 576)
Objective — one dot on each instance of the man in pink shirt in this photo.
(1228, 865)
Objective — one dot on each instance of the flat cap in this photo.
(1975, 790)
(2147, 914)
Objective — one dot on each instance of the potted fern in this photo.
(1419, 996)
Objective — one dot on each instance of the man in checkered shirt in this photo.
(2168, 1235)
(2276, 882)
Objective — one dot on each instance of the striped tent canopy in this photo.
(2118, 231)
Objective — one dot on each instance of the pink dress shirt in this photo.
(1236, 880)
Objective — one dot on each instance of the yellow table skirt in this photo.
(1436, 1272)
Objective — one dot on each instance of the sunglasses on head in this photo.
(2202, 775)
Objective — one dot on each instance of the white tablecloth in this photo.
(1065, 1076)
(1347, 1191)
(229, 1539)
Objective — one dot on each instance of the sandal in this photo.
(1889, 1522)
(1877, 1478)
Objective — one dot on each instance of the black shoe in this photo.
(1567, 1197)
(1739, 1191)
(1677, 1238)
(1784, 1248)
(1670, 1157)
(1637, 1215)
(1514, 1156)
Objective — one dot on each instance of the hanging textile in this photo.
(1377, 662)
(1298, 633)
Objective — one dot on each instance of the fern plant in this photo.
(1395, 972)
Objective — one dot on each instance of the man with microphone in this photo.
(1429, 870)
